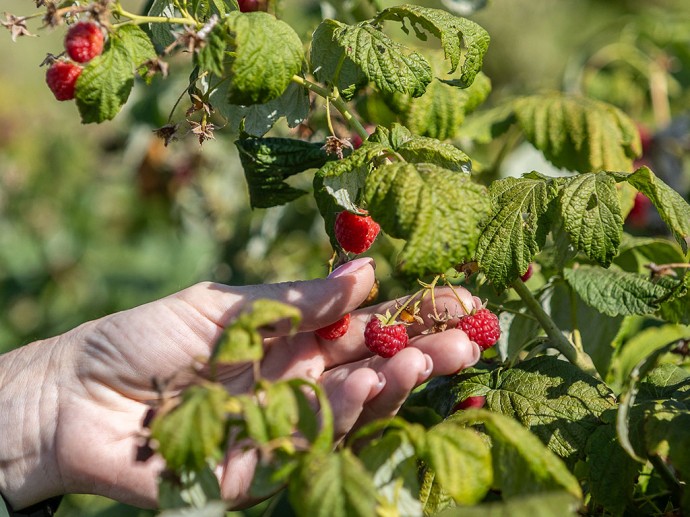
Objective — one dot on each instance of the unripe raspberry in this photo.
(527, 274)
(355, 233)
(84, 41)
(61, 78)
(385, 340)
(481, 327)
(470, 403)
(334, 330)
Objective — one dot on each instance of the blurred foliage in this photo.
(96, 219)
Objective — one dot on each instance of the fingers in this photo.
(320, 301)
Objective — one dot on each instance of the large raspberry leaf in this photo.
(517, 227)
(592, 216)
(264, 55)
(464, 42)
(193, 432)
(333, 485)
(545, 504)
(268, 162)
(619, 293)
(104, 85)
(522, 464)
(436, 210)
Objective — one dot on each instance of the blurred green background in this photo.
(95, 219)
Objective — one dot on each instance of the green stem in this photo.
(336, 100)
(578, 357)
(140, 20)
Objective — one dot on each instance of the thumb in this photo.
(321, 301)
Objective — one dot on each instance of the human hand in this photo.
(82, 430)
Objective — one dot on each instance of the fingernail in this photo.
(429, 365)
(477, 354)
(352, 266)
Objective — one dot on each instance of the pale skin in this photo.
(73, 405)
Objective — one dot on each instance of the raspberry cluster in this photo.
(83, 42)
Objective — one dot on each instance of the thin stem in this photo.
(140, 20)
(328, 118)
(462, 304)
(578, 357)
(496, 307)
(665, 472)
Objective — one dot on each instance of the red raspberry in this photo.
(481, 327)
(385, 340)
(355, 233)
(61, 78)
(248, 6)
(527, 274)
(470, 403)
(84, 41)
(334, 330)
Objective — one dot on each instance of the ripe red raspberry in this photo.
(84, 41)
(248, 6)
(481, 327)
(527, 274)
(470, 403)
(355, 233)
(385, 340)
(61, 78)
(334, 330)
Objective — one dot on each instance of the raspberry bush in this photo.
(580, 403)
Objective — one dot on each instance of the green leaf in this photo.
(432, 495)
(518, 328)
(267, 162)
(211, 54)
(257, 119)
(162, 33)
(194, 431)
(672, 208)
(461, 461)
(189, 489)
(517, 227)
(548, 504)
(333, 485)
(635, 253)
(578, 133)
(212, 509)
(487, 125)
(440, 112)
(394, 465)
(420, 203)
(552, 398)
(242, 341)
(391, 66)
(137, 43)
(464, 42)
(617, 293)
(419, 149)
(592, 215)
(521, 463)
(611, 473)
(265, 54)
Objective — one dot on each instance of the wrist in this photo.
(29, 394)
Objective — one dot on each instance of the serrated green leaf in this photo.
(267, 162)
(162, 33)
(105, 83)
(258, 119)
(461, 462)
(242, 341)
(392, 461)
(554, 399)
(666, 435)
(677, 309)
(435, 209)
(432, 495)
(666, 381)
(420, 149)
(486, 125)
(210, 56)
(635, 253)
(189, 489)
(137, 43)
(578, 133)
(516, 450)
(611, 473)
(618, 293)
(339, 184)
(265, 54)
(392, 67)
(333, 485)
(592, 215)
(672, 208)
(464, 42)
(193, 433)
(517, 227)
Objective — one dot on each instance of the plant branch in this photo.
(578, 357)
(140, 20)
